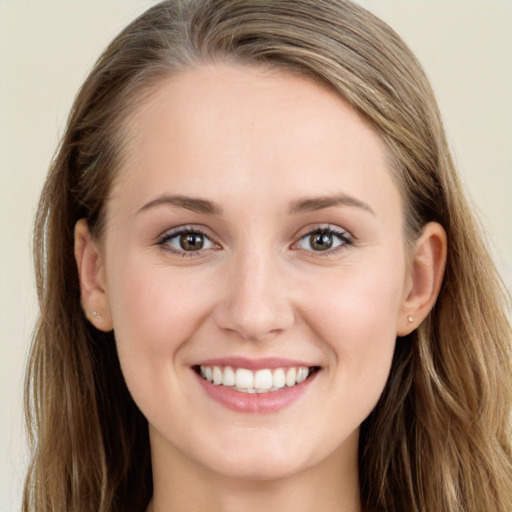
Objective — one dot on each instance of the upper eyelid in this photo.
(186, 228)
(163, 242)
(171, 233)
(299, 235)
(334, 230)
(323, 227)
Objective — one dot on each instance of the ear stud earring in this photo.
(94, 314)
(410, 318)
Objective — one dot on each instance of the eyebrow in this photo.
(319, 203)
(296, 207)
(188, 203)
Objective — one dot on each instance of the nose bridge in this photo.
(257, 303)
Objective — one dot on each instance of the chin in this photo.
(259, 470)
(259, 462)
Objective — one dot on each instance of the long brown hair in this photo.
(440, 436)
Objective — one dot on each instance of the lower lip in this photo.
(256, 403)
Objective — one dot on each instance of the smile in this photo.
(264, 380)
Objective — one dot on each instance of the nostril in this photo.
(254, 308)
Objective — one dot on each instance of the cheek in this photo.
(360, 308)
(359, 297)
(155, 312)
(153, 306)
(355, 312)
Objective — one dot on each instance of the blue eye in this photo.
(324, 240)
(187, 240)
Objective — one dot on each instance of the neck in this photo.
(181, 484)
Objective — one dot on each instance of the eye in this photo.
(325, 239)
(186, 240)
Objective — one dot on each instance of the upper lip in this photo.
(253, 364)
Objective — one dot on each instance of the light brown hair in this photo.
(440, 436)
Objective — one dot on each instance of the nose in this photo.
(256, 303)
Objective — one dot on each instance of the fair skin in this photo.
(296, 251)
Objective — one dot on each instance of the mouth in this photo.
(263, 380)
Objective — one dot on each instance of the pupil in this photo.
(191, 241)
(321, 241)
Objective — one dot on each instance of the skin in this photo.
(256, 143)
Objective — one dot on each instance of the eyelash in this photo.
(345, 240)
(164, 240)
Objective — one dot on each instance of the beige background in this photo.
(46, 47)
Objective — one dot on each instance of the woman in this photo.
(277, 296)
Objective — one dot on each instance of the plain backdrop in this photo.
(46, 49)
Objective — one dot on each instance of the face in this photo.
(253, 237)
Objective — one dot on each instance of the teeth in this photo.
(229, 376)
(302, 375)
(260, 381)
(244, 379)
(278, 378)
(217, 375)
(263, 380)
(290, 376)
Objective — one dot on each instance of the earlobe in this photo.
(91, 275)
(426, 275)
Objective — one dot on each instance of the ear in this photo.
(424, 279)
(91, 273)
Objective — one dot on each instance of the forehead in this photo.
(226, 129)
